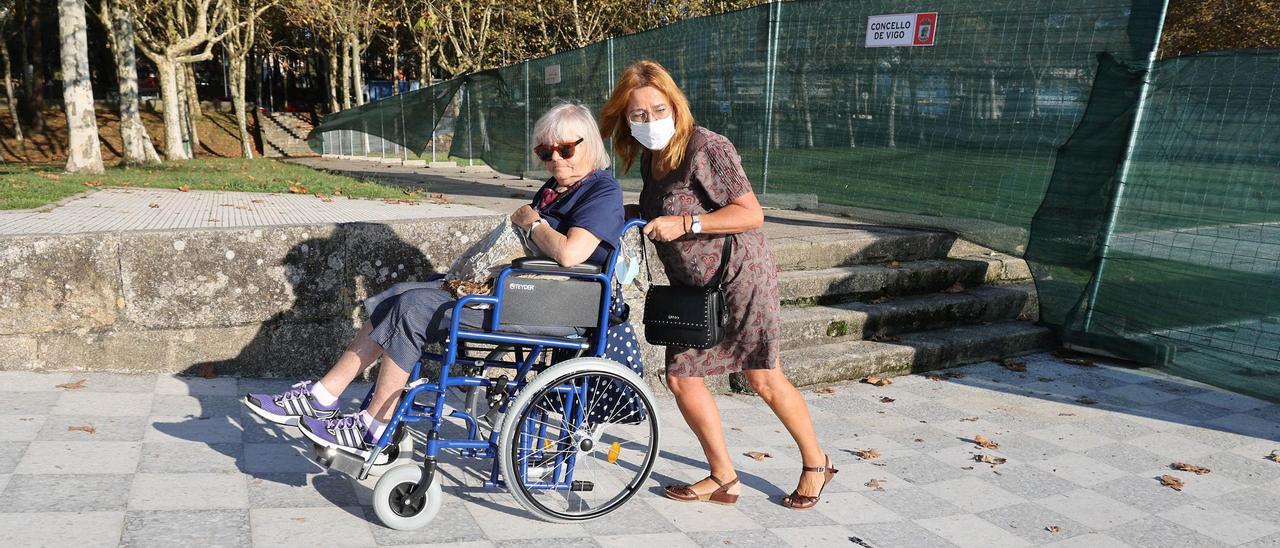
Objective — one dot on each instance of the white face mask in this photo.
(656, 134)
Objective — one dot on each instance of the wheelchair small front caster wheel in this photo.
(391, 502)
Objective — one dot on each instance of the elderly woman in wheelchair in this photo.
(573, 429)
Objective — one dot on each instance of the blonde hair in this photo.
(613, 117)
(566, 122)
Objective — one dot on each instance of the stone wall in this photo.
(263, 301)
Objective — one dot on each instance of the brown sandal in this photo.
(796, 501)
(721, 495)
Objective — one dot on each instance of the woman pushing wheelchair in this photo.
(575, 218)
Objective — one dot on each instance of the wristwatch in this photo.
(533, 225)
(696, 227)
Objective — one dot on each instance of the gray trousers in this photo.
(410, 315)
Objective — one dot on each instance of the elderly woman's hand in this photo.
(524, 217)
(666, 228)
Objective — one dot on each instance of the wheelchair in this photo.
(573, 435)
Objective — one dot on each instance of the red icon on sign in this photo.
(926, 28)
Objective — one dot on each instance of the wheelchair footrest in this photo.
(581, 485)
(341, 461)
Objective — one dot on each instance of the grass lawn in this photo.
(32, 186)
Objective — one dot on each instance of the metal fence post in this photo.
(528, 144)
(470, 127)
(775, 16)
(1113, 211)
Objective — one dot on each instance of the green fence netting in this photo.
(383, 128)
(1142, 195)
(1189, 238)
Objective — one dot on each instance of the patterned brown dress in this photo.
(710, 177)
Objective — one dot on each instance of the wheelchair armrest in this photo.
(544, 264)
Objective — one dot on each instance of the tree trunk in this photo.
(138, 148)
(83, 154)
(345, 73)
(8, 91)
(33, 80)
(173, 134)
(424, 70)
(893, 111)
(357, 75)
(191, 102)
(237, 70)
(193, 97)
(332, 74)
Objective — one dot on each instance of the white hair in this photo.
(566, 123)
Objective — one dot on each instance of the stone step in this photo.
(923, 351)
(820, 248)
(866, 282)
(817, 325)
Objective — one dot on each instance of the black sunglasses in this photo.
(566, 150)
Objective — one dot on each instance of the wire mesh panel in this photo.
(1143, 196)
(1193, 265)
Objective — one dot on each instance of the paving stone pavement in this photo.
(173, 461)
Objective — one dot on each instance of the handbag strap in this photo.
(724, 260)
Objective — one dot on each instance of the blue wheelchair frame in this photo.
(528, 349)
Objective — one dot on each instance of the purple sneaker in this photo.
(290, 407)
(345, 433)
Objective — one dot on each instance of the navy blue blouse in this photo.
(594, 205)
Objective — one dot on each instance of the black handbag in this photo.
(688, 316)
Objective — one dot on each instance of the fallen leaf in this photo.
(72, 385)
(1052, 529)
(88, 429)
(894, 264)
(1275, 456)
(867, 454)
(966, 468)
(1017, 366)
(877, 381)
(984, 442)
(258, 201)
(875, 485)
(933, 377)
(337, 192)
(298, 189)
(886, 399)
(207, 370)
(299, 520)
(825, 390)
(212, 220)
(1066, 414)
(153, 204)
(185, 188)
(1197, 470)
(1171, 482)
(758, 455)
(919, 440)
(953, 375)
(1080, 362)
(1045, 379)
(735, 428)
(884, 338)
(1086, 400)
(93, 183)
(990, 459)
(955, 288)
(881, 299)
(969, 419)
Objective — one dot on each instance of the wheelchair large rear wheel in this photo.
(579, 440)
